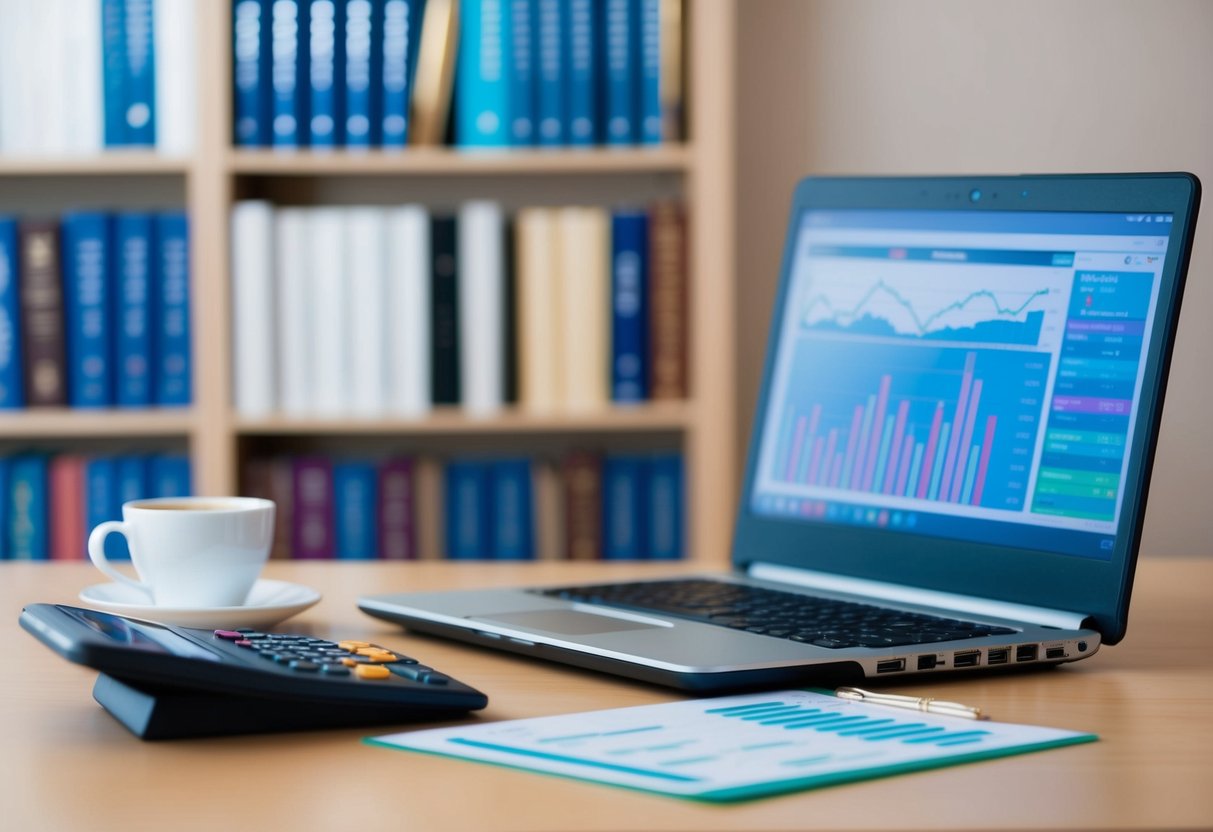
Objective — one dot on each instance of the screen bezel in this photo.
(1099, 589)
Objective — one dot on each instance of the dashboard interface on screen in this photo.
(968, 375)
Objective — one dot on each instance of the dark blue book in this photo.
(648, 16)
(4, 508)
(28, 508)
(172, 376)
(12, 392)
(401, 36)
(288, 73)
(550, 110)
(363, 53)
(326, 63)
(251, 32)
(113, 70)
(482, 81)
(512, 510)
(132, 484)
(133, 262)
(521, 72)
(581, 67)
(624, 507)
(620, 85)
(102, 501)
(666, 507)
(629, 306)
(87, 297)
(140, 74)
(468, 527)
(169, 476)
(355, 499)
(444, 311)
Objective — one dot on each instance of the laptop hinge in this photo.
(900, 593)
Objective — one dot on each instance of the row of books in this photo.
(77, 76)
(584, 506)
(372, 312)
(48, 504)
(388, 73)
(94, 311)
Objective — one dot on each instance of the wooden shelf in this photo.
(67, 423)
(110, 163)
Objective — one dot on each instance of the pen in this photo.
(927, 705)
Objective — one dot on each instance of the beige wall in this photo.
(957, 86)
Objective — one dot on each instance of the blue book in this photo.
(648, 16)
(521, 72)
(288, 73)
(363, 52)
(140, 74)
(512, 510)
(665, 507)
(468, 530)
(619, 83)
(169, 476)
(550, 113)
(113, 70)
(624, 504)
(133, 262)
(28, 508)
(482, 83)
(102, 501)
(251, 32)
(131, 474)
(171, 379)
(326, 62)
(355, 498)
(87, 295)
(581, 72)
(401, 35)
(629, 306)
(12, 392)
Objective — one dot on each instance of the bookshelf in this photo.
(216, 174)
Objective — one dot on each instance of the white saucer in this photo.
(268, 603)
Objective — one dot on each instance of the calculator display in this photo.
(141, 635)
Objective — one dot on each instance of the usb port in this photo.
(1055, 653)
(969, 659)
(1025, 653)
(891, 666)
(998, 655)
(927, 662)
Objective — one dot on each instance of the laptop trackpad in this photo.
(565, 622)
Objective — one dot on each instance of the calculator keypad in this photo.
(308, 655)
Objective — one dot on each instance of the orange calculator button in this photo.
(371, 671)
(352, 645)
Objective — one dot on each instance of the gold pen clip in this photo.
(927, 705)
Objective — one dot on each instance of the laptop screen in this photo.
(960, 374)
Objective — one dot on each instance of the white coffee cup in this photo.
(191, 551)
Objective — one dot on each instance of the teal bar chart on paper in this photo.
(737, 747)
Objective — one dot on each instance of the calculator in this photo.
(165, 682)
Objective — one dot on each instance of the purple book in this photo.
(313, 509)
(397, 537)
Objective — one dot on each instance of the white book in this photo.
(327, 240)
(176, 96)
(23, 87)
(9, 77)
(253, 307)
(84, 90)
(584, 267)
(540, 359)
(294, 325)
(46, 77)
(481, 259)
(408, 302)
(366, 276)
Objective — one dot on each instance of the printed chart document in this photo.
(736, 747)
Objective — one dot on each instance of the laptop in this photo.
(949, 461)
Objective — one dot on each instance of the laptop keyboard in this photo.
(823, 622)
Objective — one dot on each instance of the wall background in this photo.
(964, 86)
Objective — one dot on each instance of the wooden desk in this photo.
(67, 765)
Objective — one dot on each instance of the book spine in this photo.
(540, 304)
(28, 515)
(12, 393)
(253, 307)
(355, 496)
(629, 306)
(521, 72)
(113, 46)
(68, 531)
(429, 518)
(133, 246)
(329, 311)
(665, 508)
(512, 510)
(174, 371)
(668, 303)
(130, 478)
(282, 492)
(624, 521)
(549, 97)
(367, 279)
(140, 74)
(102, 501)
(251, 49)
(41, 293)
(620, 87)
(582, 474)
(482, 84)
(87, 295)
(433, 71)
(409, 308)
(292, 322)
(169, 476)
(648, 17)
(581, 72)
(468, 525)
(481, 299)
(288, 71)
(326, 56)
(401, 29)
(509, 259)
(444, 325)
(82, 65)
(671, 70)
(175, 67)
(585, 260)
(396, 509)
(363, 28)
(313, 509)
(549, 511)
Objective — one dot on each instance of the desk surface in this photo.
(67, 765)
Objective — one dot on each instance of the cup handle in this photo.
(96, 553)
